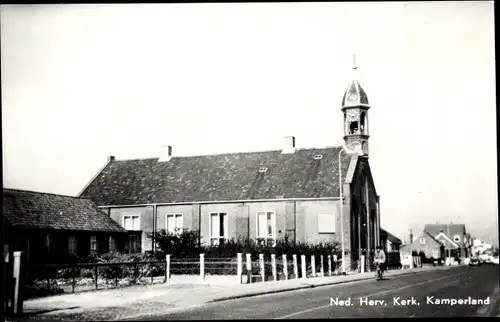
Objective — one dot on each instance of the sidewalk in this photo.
(132, 302)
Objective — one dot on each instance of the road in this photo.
(457, 283)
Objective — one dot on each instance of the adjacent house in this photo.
(265, 195)
(50, 227)
(389, 242)
(426, 243)
(453, 236)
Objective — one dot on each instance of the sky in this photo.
(81, 82)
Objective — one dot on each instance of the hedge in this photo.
(185, 243)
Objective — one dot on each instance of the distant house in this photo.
(389, 242)
(479, 247)
(426, 243)
(267, 195)
(50, 227)
(453, 236)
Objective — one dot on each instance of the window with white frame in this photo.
(93, 243)
(218, 228)
(435, 253)
(173, 223)
(456, 238)
(131, 222)
(266, 227)
(422, 241)
(72, 245)
(326, 223)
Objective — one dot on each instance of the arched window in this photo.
(363, 146)
(362, 120)
(353, 127)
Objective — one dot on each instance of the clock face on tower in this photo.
(352, 115)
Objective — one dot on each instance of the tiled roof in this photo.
(417, 241)
(454, 229)
(222, 177)
(389, 236)
(446, 241)
(29, 209)
(354, 96)
(430, 237)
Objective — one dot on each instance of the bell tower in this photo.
(355, 107)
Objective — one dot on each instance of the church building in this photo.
(264, 195)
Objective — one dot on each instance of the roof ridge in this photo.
(45, 193)
(231, 153)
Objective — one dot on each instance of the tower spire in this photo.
(354, 67)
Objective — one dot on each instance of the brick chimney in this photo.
(289, 146)
(165, 153)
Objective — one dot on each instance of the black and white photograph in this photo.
(253, 160)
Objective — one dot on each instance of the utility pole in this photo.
(449, 250)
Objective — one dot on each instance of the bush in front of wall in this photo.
(185, 243)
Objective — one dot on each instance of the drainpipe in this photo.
(199, 224)
(154, 228)
(295, 221)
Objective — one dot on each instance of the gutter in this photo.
(223, 202)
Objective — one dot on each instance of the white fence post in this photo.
(313, 265)
(322, 269)
(249, 268)
(262, 268)
(273, 264)
(18, 301)
(304, 267)
(362, 263)
(329, 265)
(285, 267)
(202, 267)
(167, 273)
(239, 269)
(295, 266)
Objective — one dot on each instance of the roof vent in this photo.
(318, 157)
(262, 170)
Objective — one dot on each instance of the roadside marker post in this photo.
(304, 267)
(273, 264)
(249, 268)
(295, 266)
(322, 269)
(285, 267)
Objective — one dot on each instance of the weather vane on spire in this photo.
(354, 67)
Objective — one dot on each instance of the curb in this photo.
(301, 288)
(132, 317)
